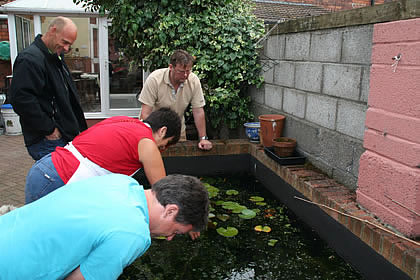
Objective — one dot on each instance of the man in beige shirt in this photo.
(176, 87)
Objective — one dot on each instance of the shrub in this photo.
(221, 34)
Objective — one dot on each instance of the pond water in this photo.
(283, 248)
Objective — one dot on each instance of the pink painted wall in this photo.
(389, 172)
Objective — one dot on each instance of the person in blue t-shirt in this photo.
(94, 228)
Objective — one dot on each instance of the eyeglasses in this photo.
(183, 72)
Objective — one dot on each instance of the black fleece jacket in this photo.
(43, 94)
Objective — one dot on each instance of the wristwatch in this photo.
(204, 138)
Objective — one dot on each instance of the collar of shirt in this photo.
(168, 82)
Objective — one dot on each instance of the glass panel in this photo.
(24, 31)
(125, 80)
(82, 63)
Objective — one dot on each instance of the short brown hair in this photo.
(181, 57)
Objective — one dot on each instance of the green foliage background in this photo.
(221, 34)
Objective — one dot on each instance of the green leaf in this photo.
(232, 192)
(227, 232)
(247, 214)
(256, 198)
(223, 217)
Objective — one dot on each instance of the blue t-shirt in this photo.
(101, 224)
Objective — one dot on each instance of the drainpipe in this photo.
(372, 2)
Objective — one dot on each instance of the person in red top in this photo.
(116, 145)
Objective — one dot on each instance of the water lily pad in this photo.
(239, 209)
(219, 202)
(211, 215)
(261, 203)
(223, 217)
(232, 192)
(247, 214)
(213, 191)
(272, 242)
(230, 205)
(256, 198)
(262, 228)
(227, 232)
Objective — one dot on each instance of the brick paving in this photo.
(15, 163)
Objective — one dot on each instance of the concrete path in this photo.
(15, 163)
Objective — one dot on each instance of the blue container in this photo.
(252, 130)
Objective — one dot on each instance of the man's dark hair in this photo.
(189, 194)
(181, 57)
(170, 119)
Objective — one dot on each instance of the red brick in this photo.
(410, 260)
(387, 248)
(367, 234)
(376, 239)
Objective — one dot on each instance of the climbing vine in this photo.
(221, 34)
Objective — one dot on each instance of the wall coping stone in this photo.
(398, 10)
(319, 188)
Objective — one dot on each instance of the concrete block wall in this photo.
(389, 179)
(320, 80)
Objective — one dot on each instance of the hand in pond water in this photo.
(194, 234)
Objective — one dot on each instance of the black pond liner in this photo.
(368, 262)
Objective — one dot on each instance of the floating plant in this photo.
(256, 198)
(227, 232)
(253, 249)
(247, 214)
(233, 206)
(230, 205)
(232, 192)
(213, 191)
(261, 203)
(223, 217)
(262, 228)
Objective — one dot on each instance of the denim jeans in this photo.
(42, 179)
(44, 147)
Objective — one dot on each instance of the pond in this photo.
(270, 242)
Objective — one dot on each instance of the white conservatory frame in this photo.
(52, 8)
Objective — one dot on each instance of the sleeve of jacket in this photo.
(29, 97)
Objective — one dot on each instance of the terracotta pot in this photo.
(284, 146)
(271, 126)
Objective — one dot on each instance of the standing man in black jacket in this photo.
(43, 93)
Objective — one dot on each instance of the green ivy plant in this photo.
(221, 34)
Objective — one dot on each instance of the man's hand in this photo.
(194, 234)
(55, 135)
(205, 144)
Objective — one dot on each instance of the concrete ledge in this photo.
(318, 188)
(398, 10)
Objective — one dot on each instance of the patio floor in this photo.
(15, 163)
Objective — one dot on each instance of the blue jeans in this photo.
(42, 179)
(44, 147)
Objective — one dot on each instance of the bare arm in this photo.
(200, 124)
(150, 157)
(75, 275)
(146, 110)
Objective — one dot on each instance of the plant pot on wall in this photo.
(284, 146)
(271, 127)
